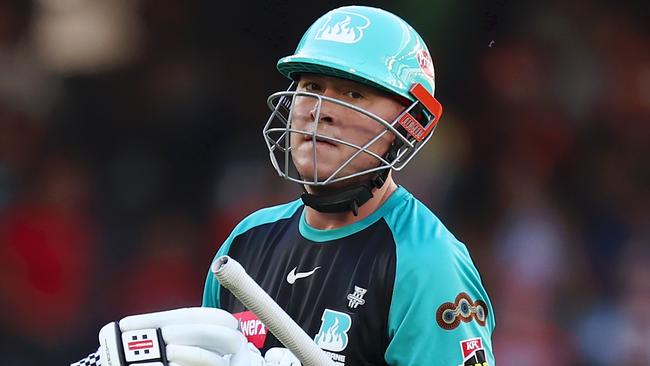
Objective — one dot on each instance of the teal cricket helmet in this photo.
(373, 47)
(367, 45)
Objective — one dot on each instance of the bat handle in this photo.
(232, 276)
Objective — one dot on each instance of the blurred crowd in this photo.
(130, 145)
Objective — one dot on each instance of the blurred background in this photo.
(130, 145)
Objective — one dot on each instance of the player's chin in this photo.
(307, 174)
(305, 167)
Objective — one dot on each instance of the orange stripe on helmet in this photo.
(411, 124)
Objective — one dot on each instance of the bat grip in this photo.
(232, 276)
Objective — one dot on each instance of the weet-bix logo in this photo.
(343, 27)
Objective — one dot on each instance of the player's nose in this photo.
(323, 117)
(324, 111)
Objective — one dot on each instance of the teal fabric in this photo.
(212, 289)
(364, 44)
(433, 267)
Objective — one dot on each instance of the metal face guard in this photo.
(278, 130)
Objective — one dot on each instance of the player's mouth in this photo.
(320, 141)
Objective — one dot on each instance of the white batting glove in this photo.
(280, 357)
(181, 337)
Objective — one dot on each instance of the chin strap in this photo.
(347, 199)
(350, 198)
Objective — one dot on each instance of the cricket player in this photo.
(367, 270)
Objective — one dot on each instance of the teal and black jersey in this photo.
(396, 288)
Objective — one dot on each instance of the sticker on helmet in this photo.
(343, 27)
(426, 64)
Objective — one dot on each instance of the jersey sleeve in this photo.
(211, 289)
(440, 313)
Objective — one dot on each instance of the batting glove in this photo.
(181, 337)
(280, 357)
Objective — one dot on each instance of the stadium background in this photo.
(130, 144)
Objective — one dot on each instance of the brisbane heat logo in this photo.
(333, 333)
(343, 27)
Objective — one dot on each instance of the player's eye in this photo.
(311, 86)
(352, 94)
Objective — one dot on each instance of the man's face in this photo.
(340, 122)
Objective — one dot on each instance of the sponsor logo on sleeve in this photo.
(463, 309)
(252, 328)
(473, 352)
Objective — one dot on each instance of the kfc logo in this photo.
(473, 352)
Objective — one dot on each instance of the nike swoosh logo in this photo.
(293, 276)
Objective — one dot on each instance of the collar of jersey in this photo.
(318, 235)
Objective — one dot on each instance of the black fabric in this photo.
(349, 199)
(163, 347)
(365, 259)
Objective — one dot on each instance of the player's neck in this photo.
(328, 221)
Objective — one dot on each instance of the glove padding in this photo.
(181, 337)
(280, 357)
